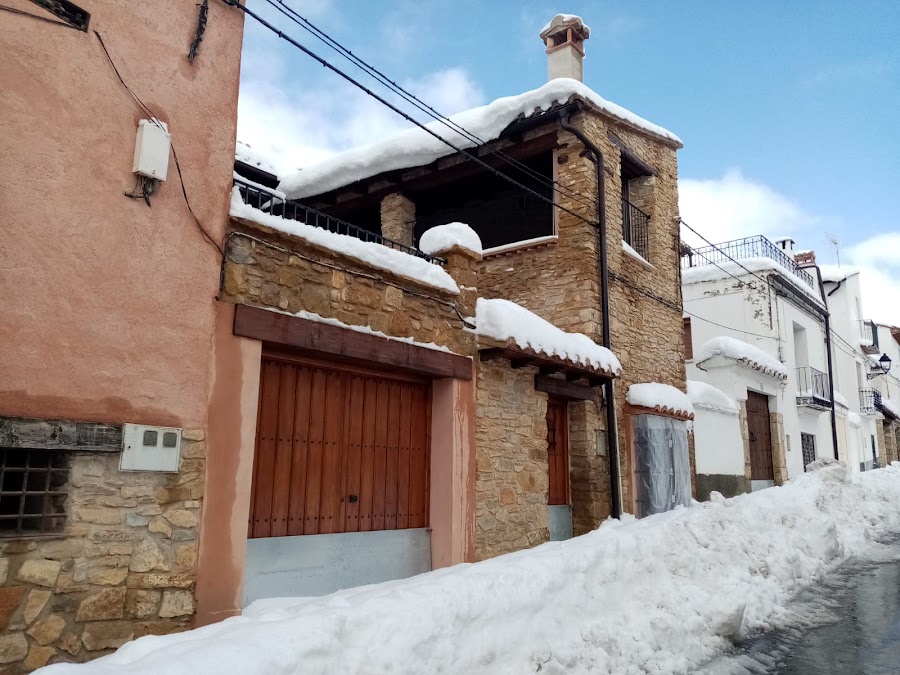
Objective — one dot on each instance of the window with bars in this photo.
(32, 494)
(808, 448)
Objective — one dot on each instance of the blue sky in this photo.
(789, 112)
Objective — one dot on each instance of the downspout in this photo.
(612, 434)
(834, 438)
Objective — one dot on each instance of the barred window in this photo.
(808, 448)
(32, 495)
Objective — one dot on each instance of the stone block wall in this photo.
(890, 441)
(880, 431)
(123, 567)
(511, 485)
(779, 447)
(292, 275)
(588, 467)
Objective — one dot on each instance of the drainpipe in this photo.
(834, 440)
(612, 434)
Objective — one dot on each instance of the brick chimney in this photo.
(564, 37)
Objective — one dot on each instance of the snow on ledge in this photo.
(661, 397)
(416, 147)
(708, 397)
(506, 321)
(520, 245)
(442, 238)
(738, 350)
(367, 252)
(634, 254)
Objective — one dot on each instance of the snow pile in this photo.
(444, 237)
(508, 322)
(659, 595)
(707, 272)
(416, 147)
(706, 396)
(665, 397)
(367, 252)
(835, 273)
(243, 152)
(738, 350)
(891, 407)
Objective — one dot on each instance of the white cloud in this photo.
(734, 206)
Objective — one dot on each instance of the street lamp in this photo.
(884, 363)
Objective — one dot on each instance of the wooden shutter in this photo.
(558, 451)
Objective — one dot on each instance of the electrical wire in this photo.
(155, 120)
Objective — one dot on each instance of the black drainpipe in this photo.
(834, 439)
(611, 428)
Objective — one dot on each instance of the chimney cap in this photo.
(561, 22)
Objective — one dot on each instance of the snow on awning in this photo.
(741, 352)
(416, 147)
(519, 333)
(660, 397)
(708, 397)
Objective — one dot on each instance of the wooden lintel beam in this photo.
(563, 389)
(41, 434)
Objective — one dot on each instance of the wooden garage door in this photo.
(338, 450)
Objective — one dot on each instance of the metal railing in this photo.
(869, 401)
(636, 228)
(738, 249)
(813, 387)
(868, 336)
(261, 198)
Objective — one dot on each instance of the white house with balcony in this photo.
(768, 311)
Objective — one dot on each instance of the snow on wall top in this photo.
(836, 273)
(890, 406)
(704, 272)
(243, 152)
(706, 396)
(415, 147)
(444, 237)
(367, 252)
(508, 322)
(662, 397)
(568, 19)
(738, 350)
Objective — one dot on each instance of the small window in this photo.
(808, 447)
(32, 496)
(688, 340)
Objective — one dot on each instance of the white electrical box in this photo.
(146, 448)
(151, 151)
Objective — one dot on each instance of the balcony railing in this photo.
(868, 337)
(813, 388)
(636, 228)
(869, 401)
(260, 198)
(738, 249)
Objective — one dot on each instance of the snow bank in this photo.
(708, 272)
(367, 252)
(506, 321)
(738, 350)
(659, 595)
(704, 395)
(444, 237)
(662, 396)
(415, 147)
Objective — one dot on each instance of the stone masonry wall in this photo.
(124, 567)
(511, 485)
(293, 276)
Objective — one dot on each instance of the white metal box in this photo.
(146, 448)
(151, 150)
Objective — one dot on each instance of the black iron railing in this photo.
(261, 198)
(868, 336)
(813, 387)
(636, 228)
(741, 249)
(869, 401)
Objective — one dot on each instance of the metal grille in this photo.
(32, 498)
(737, 249)
(813, 388)
(260, 198)
(636, 228)
(869, 401)
(808, 448)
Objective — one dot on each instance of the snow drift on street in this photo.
(659, 595)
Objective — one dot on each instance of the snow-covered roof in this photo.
(370, 253)
(247, 154)
(415, 147)
(835, 273)
(742, 269)
(514, 326)
(891, 407)
(706, 396)
(662, 397)
(442, 238)
(740, 351)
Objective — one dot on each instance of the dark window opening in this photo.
(635, 219)
(32, 496)
(501, 213)
(808, 448)
(688, 340)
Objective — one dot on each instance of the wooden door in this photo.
(558, 451)
(758, 426)
(338, 450)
